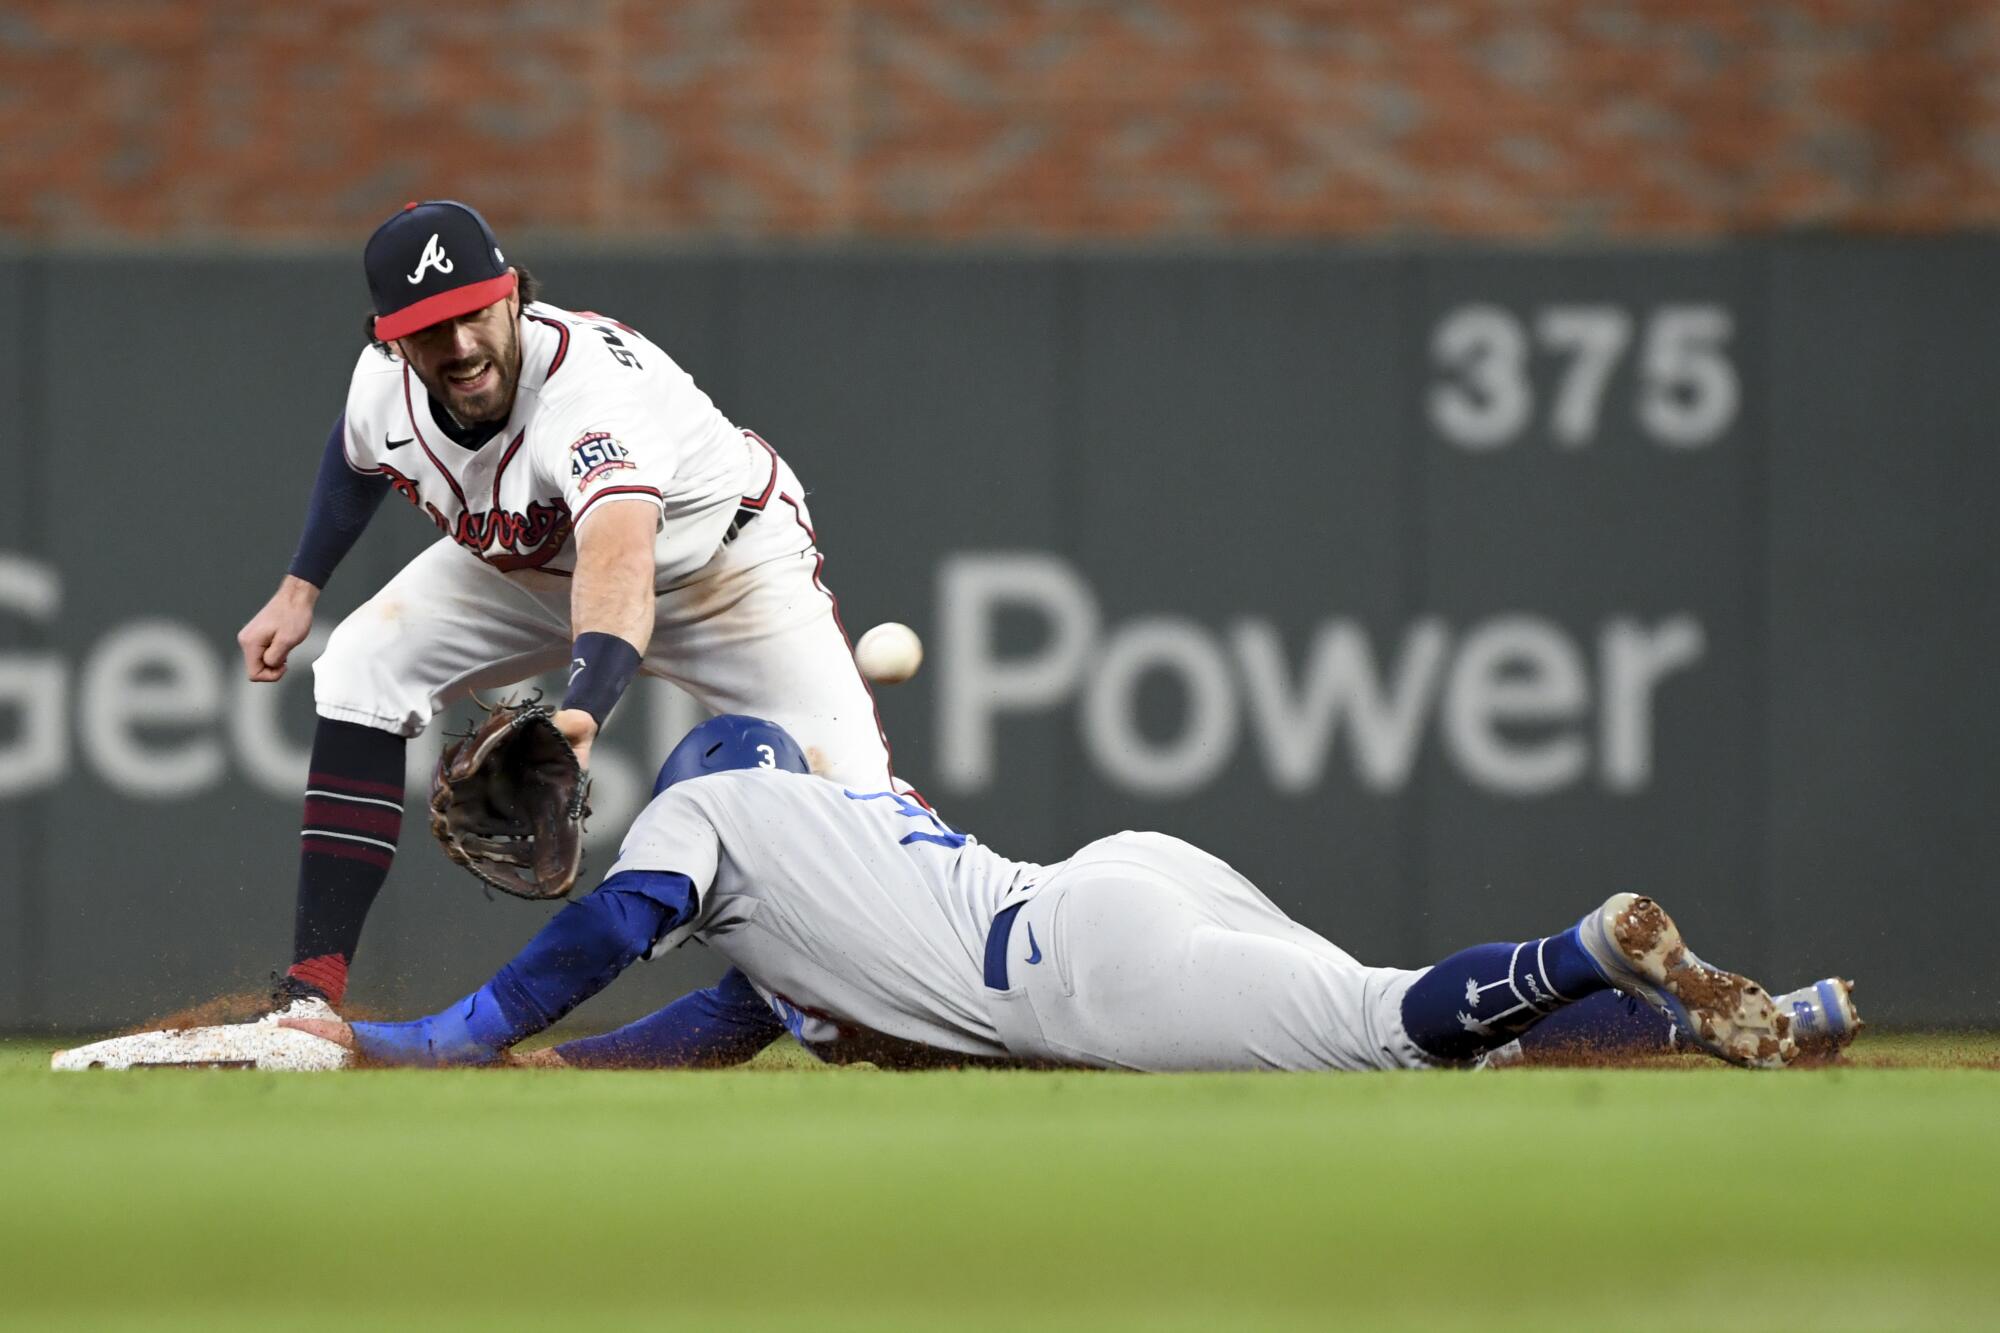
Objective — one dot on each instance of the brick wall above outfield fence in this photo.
(128, 119)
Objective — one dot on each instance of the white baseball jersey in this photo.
(851, 907)
(601, 416)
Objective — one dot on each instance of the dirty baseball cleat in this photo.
(1823, 1015)
(292, 998)
(1636, 947)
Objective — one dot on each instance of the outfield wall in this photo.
(1442, 594)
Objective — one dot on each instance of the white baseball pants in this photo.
(1144, 952)
(755, 631)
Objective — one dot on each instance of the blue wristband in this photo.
(451, 1037)
(600, 667)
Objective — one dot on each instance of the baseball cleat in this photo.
(1823, 1015)
(1636, 947)
(292, 998)
(304, 1006)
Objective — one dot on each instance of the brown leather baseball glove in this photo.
(508, 802)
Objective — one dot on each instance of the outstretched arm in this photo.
(343, 501)
(577, 954)
(611, 615)
(706, 1029)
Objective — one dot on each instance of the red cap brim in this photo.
(445, 305)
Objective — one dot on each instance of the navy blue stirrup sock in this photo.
(1486, 996)
(1607, 1023)
(353, 818)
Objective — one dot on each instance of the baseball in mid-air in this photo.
(889, 654)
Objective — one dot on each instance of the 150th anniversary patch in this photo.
(596, 455)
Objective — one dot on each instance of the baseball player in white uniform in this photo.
(598, 513)
(866, 926)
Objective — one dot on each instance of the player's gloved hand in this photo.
(509, 802)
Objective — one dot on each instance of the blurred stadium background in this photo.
(1452, 458)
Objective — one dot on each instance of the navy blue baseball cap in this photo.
(432, 262)
(731, 741)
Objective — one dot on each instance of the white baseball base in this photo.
(238, 1046)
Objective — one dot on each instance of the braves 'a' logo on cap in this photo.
(432, 257)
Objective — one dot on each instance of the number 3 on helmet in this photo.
(728, 742)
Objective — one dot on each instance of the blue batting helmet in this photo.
(731, 741)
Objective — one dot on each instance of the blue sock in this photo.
(1607, 1023)
(1486, 996)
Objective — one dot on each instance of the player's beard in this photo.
(495, 399)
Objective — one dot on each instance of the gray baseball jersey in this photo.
(862, 909)
(858, 907)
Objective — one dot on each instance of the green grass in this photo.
(1856, 1197)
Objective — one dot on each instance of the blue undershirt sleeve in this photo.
(569, 960)
(343, 501)
(724, 1025)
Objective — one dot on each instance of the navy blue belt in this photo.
(996, 946)
(744, 513)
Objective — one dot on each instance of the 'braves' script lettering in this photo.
(502, 538)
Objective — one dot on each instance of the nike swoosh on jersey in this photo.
(397, 444)
(1034, 949)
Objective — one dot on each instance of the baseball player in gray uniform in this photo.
(863, 924)
(599, 514)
